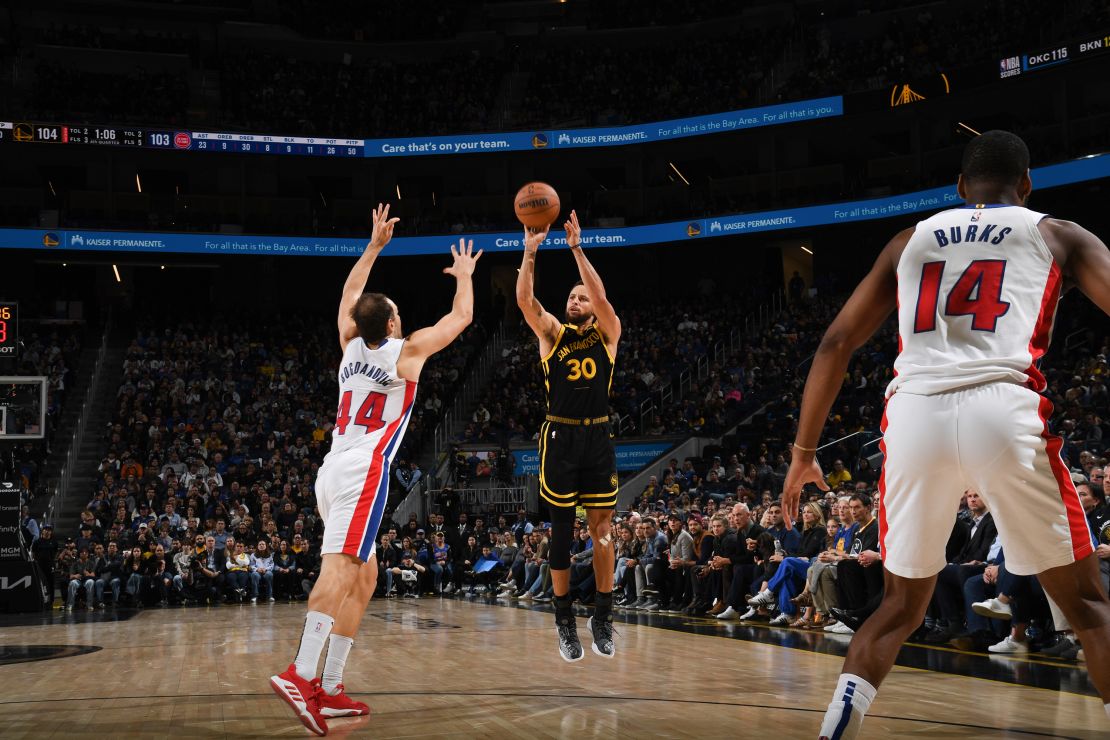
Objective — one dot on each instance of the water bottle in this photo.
(778, 548)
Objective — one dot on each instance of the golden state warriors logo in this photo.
(920, 89)
(50, 239)
(693, 228)
(539, 141)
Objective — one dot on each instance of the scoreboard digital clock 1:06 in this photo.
(9, 329)
(54, 133)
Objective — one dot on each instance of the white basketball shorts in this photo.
(351, 491)
(991, 438)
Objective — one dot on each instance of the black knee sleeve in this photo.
(562, 534)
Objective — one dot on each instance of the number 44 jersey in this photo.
(374, 402)
(977, 295)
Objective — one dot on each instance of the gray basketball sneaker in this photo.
(602, 630)
(570, 647)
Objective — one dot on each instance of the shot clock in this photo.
(9, 329)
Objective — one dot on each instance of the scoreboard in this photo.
(1061, 54)
(144, 138)
(9, 329)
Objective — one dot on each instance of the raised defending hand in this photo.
(383, 228)
(803, 469)
(574, 231)
(465, 259)
(533, 238)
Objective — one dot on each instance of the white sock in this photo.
(338, 649)
(317, 627)
(850, 703)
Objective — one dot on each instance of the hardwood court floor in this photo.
(474, 669)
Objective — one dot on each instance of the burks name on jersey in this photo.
(971, 233)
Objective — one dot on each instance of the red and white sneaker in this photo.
(303, 697)
(341, 705)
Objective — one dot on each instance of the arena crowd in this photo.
(206, 493)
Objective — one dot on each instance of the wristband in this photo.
(804, 449)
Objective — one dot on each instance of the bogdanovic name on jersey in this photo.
(373, 372)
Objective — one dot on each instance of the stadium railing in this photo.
(61, 490)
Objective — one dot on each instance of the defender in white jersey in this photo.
(377, 387)
(976, 290)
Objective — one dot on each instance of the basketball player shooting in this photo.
(377, 386)
(578, 464)
(976, 290)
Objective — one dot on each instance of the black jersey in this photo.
(578, 373)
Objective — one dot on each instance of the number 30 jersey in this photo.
(577, 374)
(977, 295)
(374, 403)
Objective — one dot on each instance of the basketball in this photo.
(536, 205)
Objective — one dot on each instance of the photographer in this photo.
(407, 575)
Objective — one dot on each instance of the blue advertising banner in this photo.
(679, 128)
(920, 202)
(408, 146)
(630, 457)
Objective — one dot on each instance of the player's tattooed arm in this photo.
(606, 315)
(544, 324)
(356, 281)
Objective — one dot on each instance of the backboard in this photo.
(22, 407)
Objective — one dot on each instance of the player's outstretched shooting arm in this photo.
(356, 281)
(544, 324)
(861, 316)
(606, 316)
(424, 343)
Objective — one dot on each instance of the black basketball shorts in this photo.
(578, 466)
